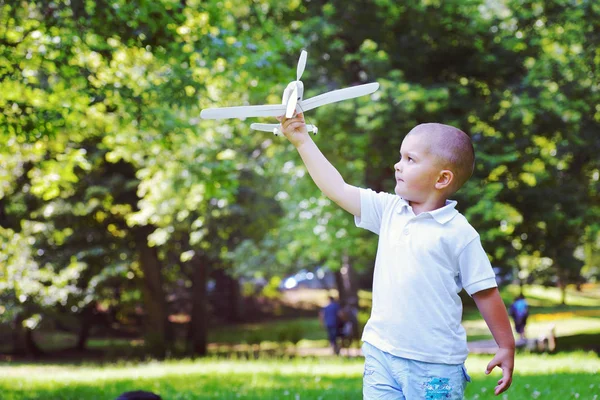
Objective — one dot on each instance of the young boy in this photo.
(414, 344)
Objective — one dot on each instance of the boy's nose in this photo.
(397, 166)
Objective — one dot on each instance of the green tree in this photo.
(86, 73)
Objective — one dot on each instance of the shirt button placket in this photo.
(406, 230)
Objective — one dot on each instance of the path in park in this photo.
(478, 347)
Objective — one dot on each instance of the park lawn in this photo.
(567, 321)
(580, 316)
(564, 325)
(561, 376)
(579, 319)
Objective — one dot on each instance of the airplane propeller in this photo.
(301, 65)
(298, 87)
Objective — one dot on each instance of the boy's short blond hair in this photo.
(452, 148)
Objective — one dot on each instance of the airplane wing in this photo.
(268, 110)
(270, 127)
(276, 110)
(338, 95)
(265, 127)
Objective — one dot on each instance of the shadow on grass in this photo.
(580, 342)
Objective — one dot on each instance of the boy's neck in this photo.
(426, 206)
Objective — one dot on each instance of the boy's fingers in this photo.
(501, 388)
(292, 122)
(490, 366)
(505, 382)
(506, 376)
(286, 122)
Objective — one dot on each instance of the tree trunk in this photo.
(236, 301)
(32, 347)
(156, 318)
(197, 334)
(227, 303)
(562, 280)
(18, 335)
(563, 293)
(562, 284)
(339, 283)
(346, 280)
(87, 320)
(23, 341)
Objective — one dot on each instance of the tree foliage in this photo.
(113, 191)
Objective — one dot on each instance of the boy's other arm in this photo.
(492, 309)
(322, 172)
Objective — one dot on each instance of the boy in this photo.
(414, 344)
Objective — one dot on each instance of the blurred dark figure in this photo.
(519, 310)
(349, 322)
(138, 395)
(329, 317)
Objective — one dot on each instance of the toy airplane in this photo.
(291, 102)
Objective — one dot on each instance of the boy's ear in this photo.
(445, 179)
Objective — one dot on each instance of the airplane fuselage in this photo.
(289, 90)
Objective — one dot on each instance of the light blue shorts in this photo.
(390, 377)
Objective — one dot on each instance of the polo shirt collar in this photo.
(441, 215)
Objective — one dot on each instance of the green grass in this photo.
(268, 331)
(581, 315)
(563, 376)
(566, 326)
(556, 377)
(540, 296)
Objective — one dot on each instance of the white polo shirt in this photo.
(422, 263)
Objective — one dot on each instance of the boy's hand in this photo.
(493, 311)
(505, 359)
(294, 129)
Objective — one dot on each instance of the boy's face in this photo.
(417, 171)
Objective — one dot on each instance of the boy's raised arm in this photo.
(326, 177)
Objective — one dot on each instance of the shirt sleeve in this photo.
(476, 272)
(372, 206)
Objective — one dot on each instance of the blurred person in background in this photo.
(519, 311)
(330, 319)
